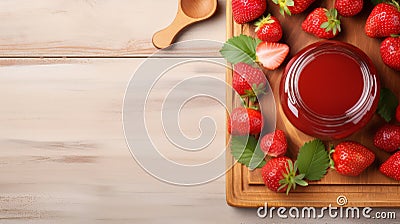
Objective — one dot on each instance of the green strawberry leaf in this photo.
(247, 152)
(313, 160)
(257, 161)
(240, 49)
(387, 104)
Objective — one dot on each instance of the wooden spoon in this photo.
(189, 12)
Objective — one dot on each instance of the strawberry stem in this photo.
(264, 20)
(283, 6)
(331, 162)
(244, 101)
(254, 92)
(290, 179)
(333, 22)
(395, 4)
(250, 103)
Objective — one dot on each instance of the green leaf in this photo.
(257, 161)
(334, 13)
(240, 49)
(246, 151)
(289, 2)
(325, 25)
(313, 160)
(387, 104)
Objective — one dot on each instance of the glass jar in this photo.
(330, 90)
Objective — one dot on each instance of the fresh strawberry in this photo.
(398, 113)
(245, 121)
(269, 29)
(351, 158)
(274, 144)
(322, 23)
(390, 52)
(293, 6)
(388, 138)
(384, 20)
(248, 80)
(271, 55)
(273, 172)
(279, 175)
(248, 10)
(349, 7)
(391, 167)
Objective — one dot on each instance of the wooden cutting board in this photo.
(245, 188)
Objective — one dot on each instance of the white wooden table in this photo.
(64, 68)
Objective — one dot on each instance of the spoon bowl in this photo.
(189, 12)
(198, 8)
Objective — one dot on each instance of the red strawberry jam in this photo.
(330, 90)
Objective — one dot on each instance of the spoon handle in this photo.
(165, 37)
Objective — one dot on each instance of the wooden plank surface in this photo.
(63, 152)
(97, 28)
(365, 190)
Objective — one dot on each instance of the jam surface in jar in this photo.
(330, 84)
(329, 90)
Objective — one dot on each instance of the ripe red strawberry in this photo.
(390, 52)
(269, 29)
(247, 10)
(349, 7)
(322, 23)
(293, 6)
(248, 80)
(245, 121)
(279, 175)
(384, 20)
(398, 113)
(391, 167)
(271, 55)
(351, 158)
(274, 144)
(388, 138)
